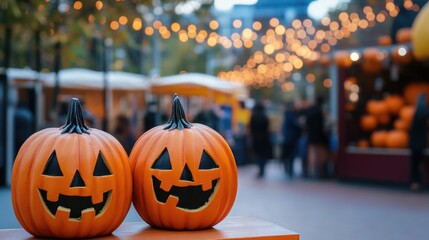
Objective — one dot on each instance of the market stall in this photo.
(210, 88)
(377, 92)
(127, 91)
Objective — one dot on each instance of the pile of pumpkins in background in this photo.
(393, 110)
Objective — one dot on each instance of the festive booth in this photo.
(126, 90)
(377, 92)
(210, 88)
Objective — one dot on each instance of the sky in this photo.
(316, 10)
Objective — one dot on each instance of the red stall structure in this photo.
(377, 92)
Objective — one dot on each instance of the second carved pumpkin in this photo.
(184, 174)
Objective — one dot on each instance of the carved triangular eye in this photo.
(163, 161)
(207, 162)
(52, 168)
(101, 168)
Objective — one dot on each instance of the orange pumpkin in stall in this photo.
(71, 182)
(368, 122)
(384, 40)
(383, 119)
(394, 103)
(401, 124)
(378, 138)
(401, 55)
(342, 59)
(185, 176)
(372, 60)
(363, 143)
(377, 107)
(413, 90)
(404, 35)
(406, 114)
(397, 139)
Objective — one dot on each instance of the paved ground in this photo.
(316, 209)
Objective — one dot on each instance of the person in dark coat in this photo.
(24, 124)
(153, 117)
(418, 141)
(260, 135)
(317, 138)
(291, 133)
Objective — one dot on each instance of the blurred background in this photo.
(303, 90)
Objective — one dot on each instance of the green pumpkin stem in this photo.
(75, 122)
(177, 119)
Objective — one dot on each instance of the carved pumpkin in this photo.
(184, 174)
(71, 182)
(378, 138)
(394, 103)
(368, 122)
(420, 34)
(397, 139)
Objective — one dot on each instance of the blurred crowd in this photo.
(305, 132)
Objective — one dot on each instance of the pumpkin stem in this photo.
(75, 122)
(177, 119)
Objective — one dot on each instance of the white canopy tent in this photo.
(207, 86)
(197, 84)
(79, 78)
(126, 90)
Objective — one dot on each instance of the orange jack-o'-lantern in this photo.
(184, 174)
(71, 182)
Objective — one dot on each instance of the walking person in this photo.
(260, 135)
(291, 133)
(317, 139)
(418, 141)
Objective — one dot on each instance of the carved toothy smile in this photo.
(76, 204)
(190, 197)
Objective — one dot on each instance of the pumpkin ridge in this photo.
(45, 138)
(177, 119)
(74, 122)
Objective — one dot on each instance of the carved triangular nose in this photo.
(186, 174)
(77, 180)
